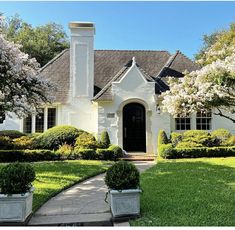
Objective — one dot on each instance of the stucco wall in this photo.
(133, 87)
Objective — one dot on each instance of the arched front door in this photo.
(134, 128)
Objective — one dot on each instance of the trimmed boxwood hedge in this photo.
(28, 155)
(167, 151)
(12, 133)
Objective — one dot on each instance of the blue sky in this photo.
(134, 25)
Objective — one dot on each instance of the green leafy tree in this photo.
(217, 46)
(41, 42)
(211, 87)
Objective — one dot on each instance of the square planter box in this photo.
(125, 202)
(16, 207)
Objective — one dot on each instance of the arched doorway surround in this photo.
(148, 123)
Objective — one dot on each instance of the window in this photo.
(27, 125)
(203, 120)
(182, 123)
(51, 117)
(40, 122)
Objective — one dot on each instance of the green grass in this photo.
(188, 192)
(53, 177)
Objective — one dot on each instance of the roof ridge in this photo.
(168, 63)
(185, 56)
(133, 50)
(53, 59)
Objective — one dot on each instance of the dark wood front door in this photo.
(134, 133)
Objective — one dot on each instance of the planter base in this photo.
(25, 223)
(125, 203)
(124, 218)
(15, 208)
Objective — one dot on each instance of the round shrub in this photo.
(167, 151)
(56, 136)
(16, 178)
(85, 154)
(105, 154)
(11, 133)
(222, 135)
(200, 137)
(104, 139)
(176, 138)
(6, 143)
(86, 141)
(122, 175)
(188, 144)
(195, 133)
(24, 142)
(65, 151)
(230, 141)
(117, 151)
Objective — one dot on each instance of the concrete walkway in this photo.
(81, 205)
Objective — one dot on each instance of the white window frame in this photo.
(180, 124)
(45, 110)
(206, 118)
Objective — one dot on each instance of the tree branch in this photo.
(222, 115)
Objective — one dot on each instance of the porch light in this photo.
(158, 110)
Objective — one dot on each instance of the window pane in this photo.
(203, 120)
(40, 122)
(51, 117)
(27, 124)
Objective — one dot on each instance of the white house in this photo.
(116, 90)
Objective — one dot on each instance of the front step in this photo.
(134, 157)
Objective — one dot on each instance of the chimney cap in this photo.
(76, 24)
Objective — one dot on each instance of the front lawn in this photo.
(52, 177)
(188, 192)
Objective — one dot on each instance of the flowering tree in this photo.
(211, 87)
(21, 90)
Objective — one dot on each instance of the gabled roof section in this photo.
(111, 64)
(174, 67)
(106, 93)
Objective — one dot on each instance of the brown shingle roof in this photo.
(108, 64)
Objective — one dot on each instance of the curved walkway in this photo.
(82, 204)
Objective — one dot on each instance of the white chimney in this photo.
(82, 59)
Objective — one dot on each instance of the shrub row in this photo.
(28, 155)
(169, 152)
(112, 153)
(191, 146)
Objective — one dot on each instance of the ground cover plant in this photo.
(53, 177)
(188, 192)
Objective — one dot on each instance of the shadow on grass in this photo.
(187, 194)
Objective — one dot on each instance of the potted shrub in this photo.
(16, 192)
(123, 182)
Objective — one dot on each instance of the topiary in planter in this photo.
(16, 178)
(122, 175)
